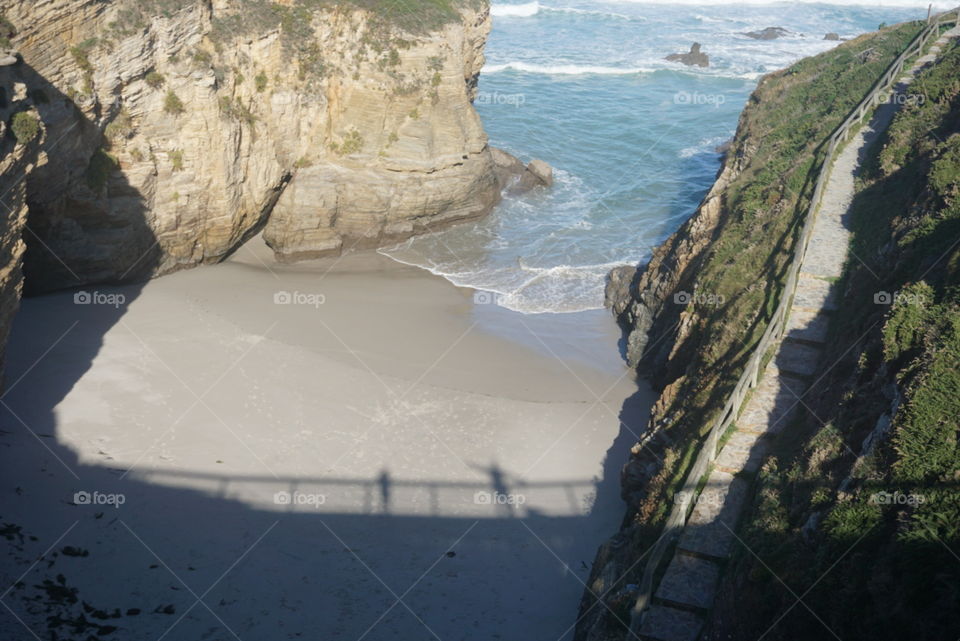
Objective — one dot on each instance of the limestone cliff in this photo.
(17, 161)
(177, 129)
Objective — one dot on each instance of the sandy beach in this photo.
(340, 449)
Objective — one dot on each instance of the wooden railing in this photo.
(775, 330)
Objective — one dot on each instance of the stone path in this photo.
(688, 588)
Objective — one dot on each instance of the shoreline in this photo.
(396, 399)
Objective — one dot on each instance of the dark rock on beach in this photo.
(832, 36)
(695, 58)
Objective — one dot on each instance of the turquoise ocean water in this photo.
(583, 85)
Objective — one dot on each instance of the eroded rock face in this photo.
(694, 58)
(16, 161)
(172, 137)
(515, 178)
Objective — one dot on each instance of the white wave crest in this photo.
(564, 70)
(515, 10)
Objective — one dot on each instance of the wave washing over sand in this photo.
(633, 137)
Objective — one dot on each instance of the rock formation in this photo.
(17, 160)
(515, 178)
(178, 130)
(832, 36)
(770, 33)
(694, 58)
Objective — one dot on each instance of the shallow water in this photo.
(632, 137)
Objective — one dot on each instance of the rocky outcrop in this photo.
(17, 160)
(641, 297)
(516, 178)
(176, 133)
(693, 58)
(770, 33)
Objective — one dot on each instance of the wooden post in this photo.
(929, 10)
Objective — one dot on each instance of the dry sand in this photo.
(318, 469)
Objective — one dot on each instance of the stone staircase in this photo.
(687, 589)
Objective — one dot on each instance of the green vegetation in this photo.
(260, 82)
(81, 55)
(233, 108)
(779, 147)
(793, 112)
(98, 170)
(24, 126)
(351, 144)
(7, 31)
(172, 104)
(120, 127)
(880, 561)
(176, 159)
(134, 15)
(155, 79)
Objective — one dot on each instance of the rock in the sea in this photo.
(694, 58)
(515, 178)
(832, 36)
(770, 33)
(542, 171)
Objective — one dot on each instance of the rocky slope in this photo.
(176, 129)
(858, 507)
(693, 313)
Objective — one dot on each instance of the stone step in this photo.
(744, 452)
(773, 401)
(689, 582)
(815, 294)
(796, 359)
(709, 530)
(663, 623)
(808, 326)
(827, 255)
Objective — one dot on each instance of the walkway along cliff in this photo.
(704, 326)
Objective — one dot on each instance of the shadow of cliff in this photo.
(221, 555)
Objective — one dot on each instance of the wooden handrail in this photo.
(775, 330)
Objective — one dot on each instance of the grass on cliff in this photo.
(781, 144)
(782, 132)
(25, 126)
(879, 551)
